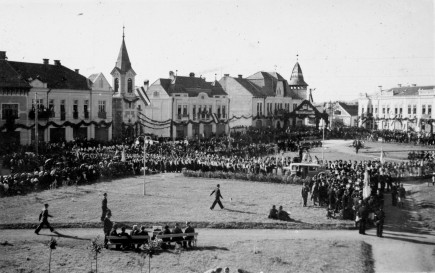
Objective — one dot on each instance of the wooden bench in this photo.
(124, 240)
(179, 235)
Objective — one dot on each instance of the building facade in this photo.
(266, 99)
(59, 101)
(344, 114)
(186, 107)
(404, 108)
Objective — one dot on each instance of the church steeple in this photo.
(123, 62)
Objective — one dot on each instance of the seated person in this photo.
(177, 230)
(166, 241)
(273, 214)
(125, 234)
(142, 232)
(189, 239)
(134, 231)
(113, 232)
(283, 215)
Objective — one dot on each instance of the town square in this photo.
(217, 136)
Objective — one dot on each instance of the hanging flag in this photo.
(215, 119)
(366, 189)
(143, 95)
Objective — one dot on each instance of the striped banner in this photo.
(143, 95)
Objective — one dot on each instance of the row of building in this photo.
(49, 101)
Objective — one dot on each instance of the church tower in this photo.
(123, 101)
(297, 83)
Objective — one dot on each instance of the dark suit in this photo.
(103, 208)
(380, 217)
(189, 239)
(218, 196)
(43, 218)
(363, 215)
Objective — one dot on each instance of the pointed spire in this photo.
(123, 62)
(297, 77)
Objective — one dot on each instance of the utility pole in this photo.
(36, 124)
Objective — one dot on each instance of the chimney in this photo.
(3, 55)
(414, 84)
(146, 84)
(226, 75)
(77, 70)
(191, 74)
(380, 88)
(56, 62)
(45, 61)
(240, 76)
(399, 84)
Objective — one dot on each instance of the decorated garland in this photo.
(154, 121)
(156, 125)
(65, 124)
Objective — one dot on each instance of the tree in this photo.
(96, 247)
(52, 245)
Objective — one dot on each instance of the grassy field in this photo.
(299, 255)
(169, 198)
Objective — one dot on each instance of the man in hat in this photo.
(379, 220)
(43, 218)
(104, 207)
(218, 196)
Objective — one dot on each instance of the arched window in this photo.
(129, 86)
(116, 84)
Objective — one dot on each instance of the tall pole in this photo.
(144, 164)
(36, 124)
(323, 141)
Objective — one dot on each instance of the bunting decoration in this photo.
(65, 124)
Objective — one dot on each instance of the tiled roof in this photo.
(192, 86)
(56, 76)
(9, 78)
(251, 87)
(352, 109)
(408, 90)
(297, 77)
(267, 82)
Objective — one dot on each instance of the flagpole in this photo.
(36, 124)
(144, 163)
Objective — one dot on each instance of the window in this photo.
(429, 110)
(179, 111)
(224, 110)
(409, 109)
(116, 85)
(194, 112)
(362, 110)
(51, 108)
(9, 110)
(414, 109)
(85, 108)
(156, 94)
(295, 105)
(259, 109)
(388, 109)
(423, 109)
(102, 106)
(39, 103)
(62, 110)
(185, 111)
(383, 110)
(209, 110)
(219, 111)
(396, 111)
(129, 85)
(376, 110)
(400, 110)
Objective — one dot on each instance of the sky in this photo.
(344, 47)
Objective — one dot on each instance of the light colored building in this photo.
(405, 108)
(343, 114)
(64, 100)
(186, 107)
(266, 99)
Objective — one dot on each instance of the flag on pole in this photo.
(366, 189)
(215, 119)
(143, 95)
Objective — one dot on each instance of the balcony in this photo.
(75, 115)
(102, 115)
(42, 113)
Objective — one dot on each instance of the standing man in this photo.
(104, 207)
(218, 196)
(402, 195)
(380, 217)
(108, 225)
(43, 218)
(188, 239)
(363, 215)
(304, 192)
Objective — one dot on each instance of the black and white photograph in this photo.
(217, 136)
